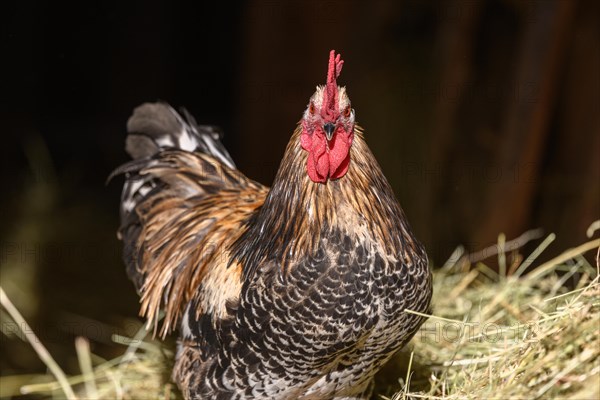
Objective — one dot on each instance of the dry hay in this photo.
(491, 335)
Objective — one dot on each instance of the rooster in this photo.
(299, 291)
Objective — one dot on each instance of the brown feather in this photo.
(290, 223)
(187, 229)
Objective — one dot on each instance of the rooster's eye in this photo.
(311, 108)
(347, 112)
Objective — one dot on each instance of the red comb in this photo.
(331, 91)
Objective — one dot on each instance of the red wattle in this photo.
(315, 152)
(339, 150)
(327, 159)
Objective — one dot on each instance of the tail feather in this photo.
(173, 157)
(154, 127)
(182, 207)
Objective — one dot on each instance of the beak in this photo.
(329, 128)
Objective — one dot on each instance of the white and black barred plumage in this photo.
(294, 292)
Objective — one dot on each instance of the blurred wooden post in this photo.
(456, 44)
(511, 201)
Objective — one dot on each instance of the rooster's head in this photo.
(328, 127)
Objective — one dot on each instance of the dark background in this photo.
(485, 116)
